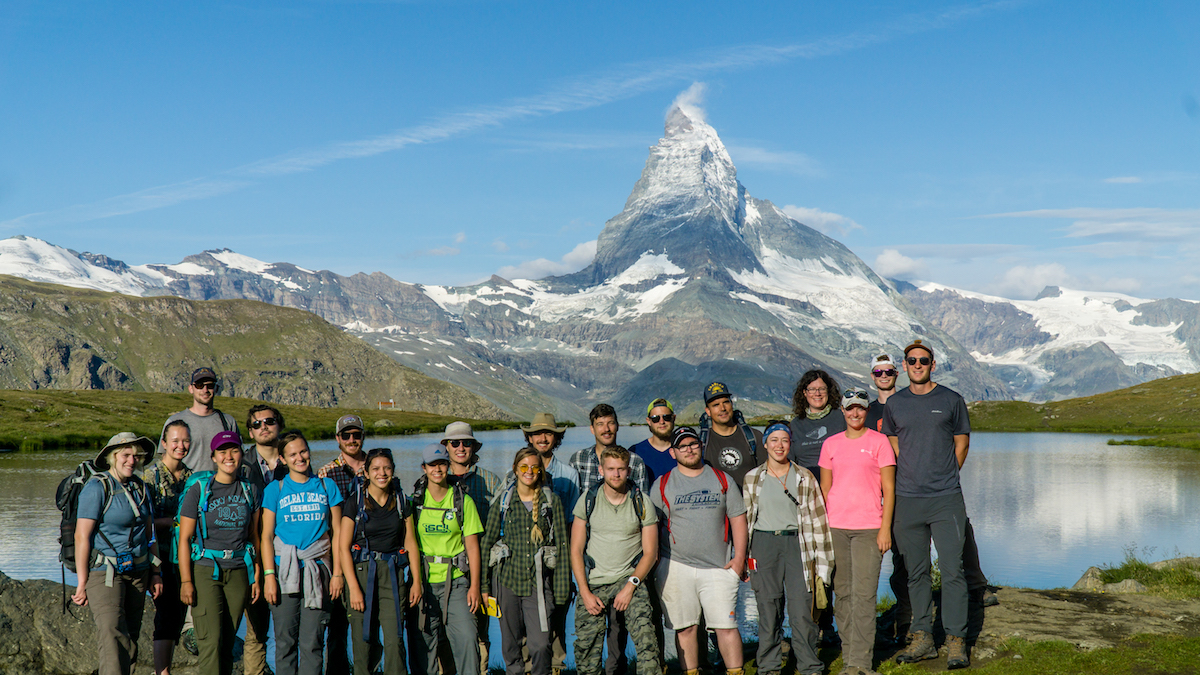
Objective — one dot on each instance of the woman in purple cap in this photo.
(218, 515)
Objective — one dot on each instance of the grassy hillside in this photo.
(56, 337)
(37, 420)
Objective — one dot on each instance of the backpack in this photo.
(546, 509)
(662, 491)
(738, 419)
(418, 505)
(66, 498)
(359, 549)
(205, 480)
(589, 505)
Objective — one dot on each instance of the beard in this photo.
(662, 436)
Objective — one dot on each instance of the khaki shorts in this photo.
(686, 591)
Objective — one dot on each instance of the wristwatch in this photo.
(635, 581)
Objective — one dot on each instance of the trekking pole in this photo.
(64, 588)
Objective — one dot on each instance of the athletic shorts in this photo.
(685, 591)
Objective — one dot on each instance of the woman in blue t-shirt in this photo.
(217, 570)
(115, 550)
(300, 573)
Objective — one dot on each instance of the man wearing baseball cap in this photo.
(729, 443)
(656, 450)
(202, 418)
(351, 462)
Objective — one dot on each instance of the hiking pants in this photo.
(483, 638)
(258, 628)
(977, 582)
(458, 626)
(337, 661)
(780, 575)
(519, 620)
(857, 582)
(299, 636)
(558, 632)
(366, 654)
(590, 631)
(117, 611)
(217, 615)
(944, 519)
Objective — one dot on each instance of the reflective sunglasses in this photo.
(266, 421)
(460, 444)
(207, 384)
(655, 419)
(850, 393)
(527, 470)
(351, 435)
(913, 360)
(890, 372)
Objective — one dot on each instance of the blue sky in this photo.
(996, 147)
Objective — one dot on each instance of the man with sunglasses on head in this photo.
(481, 486)
(204, 420)
(884, 375)
(350, 463)
(656, 450)
(930, 431)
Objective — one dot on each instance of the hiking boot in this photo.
(189, 642)
(990, 599)
(920, 649)
(956, 653)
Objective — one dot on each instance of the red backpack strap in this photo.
(662, 492)
(724, 489)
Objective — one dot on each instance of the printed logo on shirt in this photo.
(819, 432)
(699, 498)
(730, 458)
(303, 507)
(437, 528)
(935, 411)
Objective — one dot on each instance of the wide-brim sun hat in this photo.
(460, 431)
(146, 446)
(543, 422)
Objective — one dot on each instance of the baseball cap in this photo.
(715, 391)
(659, 402)
(223, 439)
(681, 434)
(434, 452)
(201, 374)
(882, 360)
(917, 344)
(855, 396)
(349, 422)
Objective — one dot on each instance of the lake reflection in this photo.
(1045, 506)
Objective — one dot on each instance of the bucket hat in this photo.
(460, 431)
(124, 438)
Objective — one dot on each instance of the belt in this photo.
(780, 533)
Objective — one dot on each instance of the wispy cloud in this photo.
(577, 94)
(1123, 179)
(1138, 224)
(566, 142)
(460, 237)
(795, 162)
(961, 252)
(893, 264)
(579, 257)
(499, 246)
(832, 224)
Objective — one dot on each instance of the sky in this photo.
(997, 147)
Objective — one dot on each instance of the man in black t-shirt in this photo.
(930, 430)
(726, 436)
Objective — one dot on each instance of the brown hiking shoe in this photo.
(956, 653)
(920, 649)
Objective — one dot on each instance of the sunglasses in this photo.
(527, 470)
(890, 372)
(460, 444)
(655, 419)
(351, 435)
(850, 393)
(205, 385)
(914, 360)
(265, 422)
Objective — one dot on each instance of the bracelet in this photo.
(268, 572)
(189, 581)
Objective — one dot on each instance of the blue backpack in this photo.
(205, 480)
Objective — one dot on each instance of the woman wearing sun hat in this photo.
(114, 534)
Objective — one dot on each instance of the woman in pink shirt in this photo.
(858, 479)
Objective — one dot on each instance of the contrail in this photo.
(579, 94)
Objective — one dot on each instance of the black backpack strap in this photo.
(747, 432)
(221, 416)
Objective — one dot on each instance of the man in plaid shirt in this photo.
(482, 486)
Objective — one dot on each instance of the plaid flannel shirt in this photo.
(341, 474)
(816, 539)
(516, 572)
(587, 465)
(482, 486)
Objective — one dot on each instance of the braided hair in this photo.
(535, 533)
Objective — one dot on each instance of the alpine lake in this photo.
(1045, 506)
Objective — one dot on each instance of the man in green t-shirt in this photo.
(448, 530)
(613, 548)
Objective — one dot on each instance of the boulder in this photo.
(1125, 586)
(383, 424)
(1090, 581)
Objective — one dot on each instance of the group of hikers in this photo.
(659, 535)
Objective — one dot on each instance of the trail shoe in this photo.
(990, 599)
(956, 653)
(693, 671)
(735, 671)
(920, 649)
(189, 642)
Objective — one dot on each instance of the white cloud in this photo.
(1137, 224)
(795, 162)
(832, 224)
(691, 101)
(579, 257)
(460, 237)
(444, 250)
(499, 246)
(961, 252)
(1022, 282)
(1123, 179)
(892, 264)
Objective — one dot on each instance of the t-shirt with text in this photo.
(301, 509)
(808, 435)
(925, 426)
(855, 500)
(732, 455)
(227, 519)
(616, 539)
(440, 533)
(693, 530)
